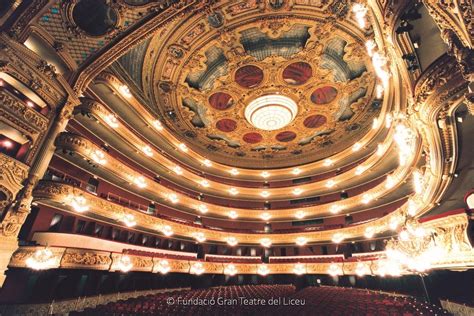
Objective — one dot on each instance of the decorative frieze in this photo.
(75, 258)
(89, 259)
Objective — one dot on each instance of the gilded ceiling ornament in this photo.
(276, 4)
(275, 27)
(339, 9)
(225, 69)
(176, 51)
(216, 19)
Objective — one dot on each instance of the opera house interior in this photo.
(212, 157)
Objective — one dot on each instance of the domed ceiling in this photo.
(201, 76)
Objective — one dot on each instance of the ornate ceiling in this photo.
(200, 75)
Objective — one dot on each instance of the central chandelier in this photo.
(271, 112)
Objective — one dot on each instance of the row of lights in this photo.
(378, 60)
(139, 181)
(360, 12)
(384, 268)
(99, 157)
(113, 122)
(43, 259)
(79, 204)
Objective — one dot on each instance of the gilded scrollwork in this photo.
(86, 259)
(21, 255)
(32, 119)
(75, 258)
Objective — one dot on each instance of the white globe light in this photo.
(271, 112)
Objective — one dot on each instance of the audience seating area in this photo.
(365, 256)
(318, 301)
(348, 301)
(307, 259)
(184, 256)
(60, 176)
(233, 259)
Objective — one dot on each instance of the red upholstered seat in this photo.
(318, 301)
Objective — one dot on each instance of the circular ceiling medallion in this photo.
(221, 101)
(271, 112)
(297, 73)
(324, 95)
(226, 125)
(315, 121)
(287, 136)
(95, 17)
(252, 138)
(249, 76)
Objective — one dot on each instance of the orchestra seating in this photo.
(348, 301)
(317, 301)
(159, 304)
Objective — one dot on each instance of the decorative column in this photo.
(16, 215)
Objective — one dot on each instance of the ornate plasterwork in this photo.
(58, 21)
(94, 260)
(171, 14)
(437, 94)
(12, 174)
(140, 263)
(192, 50)
(20, 114)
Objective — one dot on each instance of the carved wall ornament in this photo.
(35, 122)
(277, 4)
(25, 66)
(74, 258)
(216, 19)
(86, 259)
(437, 76)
